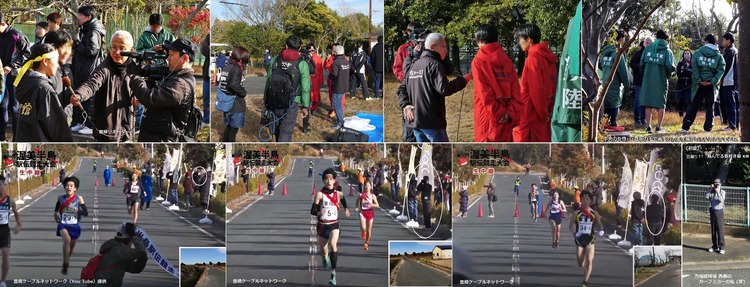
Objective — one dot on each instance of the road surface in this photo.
(272, 238)
(37, 251)
(670, 276)
(413, 273)
(214, 278)
(530, 259)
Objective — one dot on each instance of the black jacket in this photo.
(635, 62)
(427, 86)
(684, 75)
(730, 58)
(167, 106)
(108, 86)
(426, 190)
(14, 50)
(637, 210)
(57, 84)
(41, 118)
(413, 192)
(340, 74)
(206, 52)
(358, 60)
(377, 58)
(87, 53)
(234, 85)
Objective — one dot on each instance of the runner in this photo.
(365, 203)
(6, 206)
(326, 206)
(517, 187)
(556, 209)
(68, 211)
(576, 198)
(582, 227)
(132, 191)
(533, 196)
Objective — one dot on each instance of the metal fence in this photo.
(736, 201)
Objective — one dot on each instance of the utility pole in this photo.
(369, 27)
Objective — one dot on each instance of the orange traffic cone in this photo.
(481, 213)
(260, 192)
(96, 182)
(54, 181)
(313, 189)
(114, 181)
(351, 190)
(284, 192)
(516, 213)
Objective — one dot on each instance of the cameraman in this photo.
(716, 196)
(119, 257)
(113, 118)
(168, 105)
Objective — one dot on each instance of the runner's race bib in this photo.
(365, 205)
(585, 227)
(69, 218)
(134, 189)
(330, 214)
(4, 217)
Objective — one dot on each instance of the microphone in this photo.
(67, 85)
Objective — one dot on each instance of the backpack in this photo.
(283, 84)
(88, 271)
(195, 118)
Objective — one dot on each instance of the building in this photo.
(442, 252)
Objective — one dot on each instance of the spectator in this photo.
(154, 36)
(637, 213)
(108, 88)
(340, 72)
(655, 218)
(267, 59)
(63, 42)
(639, 112)
(413, 194)
(684, 81)
(317, 80)
(497, 94)
(231, 84)
(147, 193)
(671, 199)
(716, 196)
(657, 66)
(538, 84)
(358, 61)
(395, 189)
(14, 52)
(426, 115)
(271, 182)
(54, 22)
(376, 56)
(425, 189)
(621, 80)
(304, 53)
(464, 201)
(206, 52)
(87, 55)
(41, 31)
(284, 109)
(118, 257)
(709, 68)
(168, 106)
(189, 187)
(491, 195)
(729, 96)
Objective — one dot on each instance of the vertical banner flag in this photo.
(425, 164)
(626, 186)
(639, 177)
(220, 166)
(412, 157)
(655, 174)
(566, 114)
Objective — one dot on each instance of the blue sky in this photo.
(415, 246)
(218, 10)
(199, 255)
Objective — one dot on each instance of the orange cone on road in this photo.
(54, 181)
(540, 215)
(114, 181)
(516, 213)
(96, 182)
(284, 192)
(313, 189)
(481, 213)
(260, 192)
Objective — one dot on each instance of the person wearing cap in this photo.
(7, 205)
(326, 207)
(14, 52)
(112, 96)
(154, 36)
(168, 105)
(271, 182)
(69, 208)
(716, 196)
(584, 226)
(576, 198)
(87, 55)
(310, 168)
(125, 253)
(425, 190)
(41, 117)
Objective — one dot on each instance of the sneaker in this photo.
(491, 216)
(367, 246)
(65, 268)
(327, 263)
(648, 130)
(684, 132)
(86, 131)
(659, 130)
(332, 282)
(728, 129)
(721, 251)
(76, 128)
(371, 99)
(710, 250)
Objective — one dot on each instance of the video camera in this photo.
(147, 61)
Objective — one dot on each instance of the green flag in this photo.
(566, 115)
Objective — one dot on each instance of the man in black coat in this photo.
(425, 188)
(14, 52)
(87, 55)
(412, 196)
(376, 57)
(340, 73)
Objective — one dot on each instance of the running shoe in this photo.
(367, 246)
(65, 268)
(721, 251)
(710, 250)
(585, 284)
(648, 130)
(332, 282)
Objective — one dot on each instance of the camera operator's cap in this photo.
(122, 231)
(717, 181)
(181, 45)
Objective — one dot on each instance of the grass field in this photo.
(672, 125)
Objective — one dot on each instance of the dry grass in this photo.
(320, 123)
(672, 125)
(641, 274)
(392, 125)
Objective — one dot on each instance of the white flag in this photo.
(626, 182)
(639, 177)
(425, 164)
(655, 174)
(220, 167)
(412, 157)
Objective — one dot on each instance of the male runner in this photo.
(68, 211)
(582, 227)
(326, 206)
(365, 202)
(6, 206)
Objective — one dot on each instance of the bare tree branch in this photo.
(190, 18)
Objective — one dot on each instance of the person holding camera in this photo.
(87, 55)
(716, 196)
(108, 86)
(125, 252)
(168, 105)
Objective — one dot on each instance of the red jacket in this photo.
(328, 64)
(496, 92)
(398, 63)
(318, 78)
(538, 84)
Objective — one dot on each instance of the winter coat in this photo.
(88, 54)
(318, 79)
(398, 62)
(635, 67)
(657, 66)
(271, 181)
(730, 69)
(708, 65)
(340, 74)
(167, 106)
(496, 94)
(377, 57)
(638, 210)
(620, 80)
(538, 84)
(149, 39)
(412, 188)
(109, 87)
(147, 182)
(41, 118)
(14, 50)
(188, 184)
(120, 258)
(684, 75)
(206, 189)
(303, 98)
(464, 201)
(235, 74)
(427, 87)
(107, 176)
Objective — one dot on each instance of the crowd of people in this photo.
(705, 77)
(91, 84)
(505, 109)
